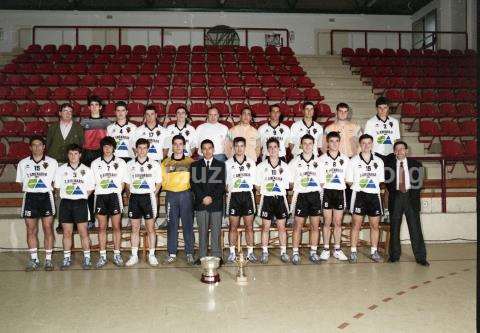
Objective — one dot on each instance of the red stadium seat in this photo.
(34, 48)
(124, 49)
(411, 95)
(198, 80)
(233, 80)
(140, 93)
(27, 110)
(286, 81)
(109, 110)
(50, 109)
(447, 110)
(216, 81)
(136, 109)
(470, 127)
(178, 93)
(198, 69)
(109, 49)
(88, 80)
(218, 94)
(251, 81)
(180, 81)
(304, 82)
(159, 93)
(8, 109)
(172, 108)
(21, 93)
(161, 81)
(125, 81)
(183, 49)
(260, 110)
(97, 69)
(429, 128)
(410, 111)
(94, 49)
(466, 109)
(297, 71)
(143, 81)
(79, 69)
(361, 52)
(268, 81)
(80, 94)
(388, 53)
(49, 48)
(470, 149)
(236, 94)
(12, 128)
(37, 127)
(198, 49)
(271, 50)
(275, 95)
(71, 80)
(199, 109)
(18, 150)
(452, 149)
(181, 68)
(230, 69)
(312, 94)
(347, 52)
(214, 69)
(119, 93)
(102, 92)
(41, 93)
(450, 128)
(223, 109)
(294, 94)
(237, 108)
(286, 51)
(61, 93)
(198, 93)
(34, 80)
(256, 94)
(147, 68)
(429, 110)
(139, 49)
(51, 80)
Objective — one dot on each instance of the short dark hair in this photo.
(307, 103)
(121, 103)
(142, 141)
(342, 106)
(206, 142)
(365, 136)
(178, 137)
(150, 107)
(274, 106)
(307, 137)
(94, 98)
(333, 134)
(36, 138)
(239, 139)
(108, 141)
(400, 143)
(381, 101)
(74, 147)
(273, 139)
(65, 105)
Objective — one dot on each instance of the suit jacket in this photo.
(415, 170)
(57, 145)
(208, 184)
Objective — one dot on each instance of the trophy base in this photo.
(242, 280)
(210, 279)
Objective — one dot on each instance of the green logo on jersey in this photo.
(35, 183)
(367, 183)
(384, 140)
(139, 183)
(272, 187)
(107, 183)
(308, 182)
(73, 190)
(240, 183)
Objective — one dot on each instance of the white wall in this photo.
(304, 26)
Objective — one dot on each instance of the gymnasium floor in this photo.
(331, 297)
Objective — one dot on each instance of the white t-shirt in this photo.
(240, 176)
(38, 176)
(384, 134)
(366, 176)
(281, 132)
(156, 136)
(273, 180)
(299, 129)
(334, 171)
(122, 135)
(109, 176)
(142, 177)
(188, 132)
(306, 175)
(73, 183)
(216, 132)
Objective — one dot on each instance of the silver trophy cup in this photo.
(209, 266)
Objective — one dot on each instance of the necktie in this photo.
(208, 164)
(401, 179)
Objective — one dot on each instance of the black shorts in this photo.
(273, 207)
(73, 211)
(38, 205)
(333, 199)
(307, 204)
(108, 204)
(240, 204)
(366, 204)
(142, 205)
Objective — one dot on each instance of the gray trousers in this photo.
(206, 220)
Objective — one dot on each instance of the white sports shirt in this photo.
(384, 134)
(299, 129)
(188, 132)
(281, 132)
(366, 176)
(35, 176)
(123, 135)
(273, 180)
(142, 177)
(109, 176)
(306, 175)
(75, 183)
(216, 132)
(240, 176)
(334, 171)
(156, 136)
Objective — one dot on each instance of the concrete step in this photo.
(351, 94)
(342, 83)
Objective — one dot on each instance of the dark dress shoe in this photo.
(423, 262)
(393, 259)
(197, 262)
(221, 263)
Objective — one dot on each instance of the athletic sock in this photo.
(48, 254)
(337, 247)
(313, 249)
(151, 252)
(173, 255)
(86, 254)
(134, 251)
(103, 254)
(353, 249)
(232, 249)
(373, 250)
(295, 250)
(33, 254)
(67, 254)
(326, 247)
(116, 252)
(249, 249)
(283, 249)
(265, 249)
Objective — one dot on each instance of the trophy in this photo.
(209, 266)
(241, 262)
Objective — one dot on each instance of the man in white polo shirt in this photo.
(214, 131)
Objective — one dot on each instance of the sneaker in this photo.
(285, 258)
(376, 257)
(101, 262)
(169, 259)
(152, 260)
(353, 258)
(225, 222)
(295, 259)
(314, 258)
(67, 262)
(251, 257)
(325, 254)
(118, 260)
(338, 254)
(87, 263)
(189, 258)
(231, 258)
(48, 265)
(162, 224)
(32, 265)
(264, 258)
(91, 225)
(386, 216)
(133, 260)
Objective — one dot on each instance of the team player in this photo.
(152, 131)
(306, 126)
(110, 172)
(122, 130)
(240, 198)
(36, 174)
(75, 182)
(365, 173)
(273, 180)
(183, 128)
(306, 171)
(144, 179)
(334, 167)
(274, 129)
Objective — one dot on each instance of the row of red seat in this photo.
(447, 128)
(387, 52)
(442, 95)
(412, 62)
(443, 110)
(110, 80)
(371, 72)
(424, 83)
(454, 149)
(161, 93)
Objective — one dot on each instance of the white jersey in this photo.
(109, 176)
(188, 132)
(334, 171)
(384, 134)
(273, 180)
(123, 135)
(156, 136)
(142, 177)
(75, 183)
(299, 129)
(38, 176)
(306, 175)
(366, 176)
(281, 132)
(240, 176)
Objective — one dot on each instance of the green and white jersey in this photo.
(384, 134)
(109, 176)
(273, 180)
(240, 176)
(281, 132)
(156, 136)
(306, 174)
(122, 135)
(366, 176)
(142, 177)
(75, 183)
(334, 171)
(36, 177)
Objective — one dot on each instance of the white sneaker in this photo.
(152, 260)
(133, 260)
(338, 254)
(325, 254)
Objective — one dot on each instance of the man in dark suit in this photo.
(404, 179)
(208, 186)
